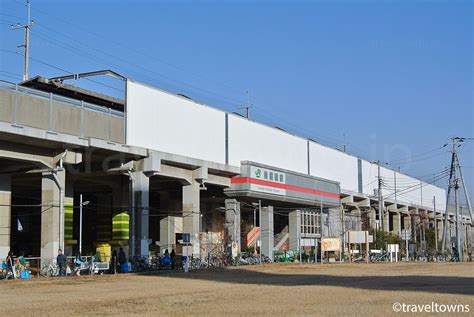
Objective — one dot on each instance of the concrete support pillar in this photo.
(191, 216)
(5, 215)
(407, 222)
(52, 230)
(372, 218)
(266, 226)
(140, 221)
(103, 221)
(232, 221)
(169, 226)
(356, 217)
(294, 228)
(121, 215)
(397, 223)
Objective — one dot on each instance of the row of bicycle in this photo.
(419, 256)
(87, 265)
(49, 268)
(211, 261)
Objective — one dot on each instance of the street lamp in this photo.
(259, 205)
(81, 203)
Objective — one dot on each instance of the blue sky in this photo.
(389, 79)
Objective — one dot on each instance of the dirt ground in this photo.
(277, 289)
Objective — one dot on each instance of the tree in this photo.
(383, 238)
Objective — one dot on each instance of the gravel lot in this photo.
(277, 289)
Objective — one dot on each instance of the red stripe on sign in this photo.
(243, 180)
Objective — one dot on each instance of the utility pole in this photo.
(380, 198)
(466, 194)
(435, 223)
(454, 184)
(26, 45)
(344, 145)
(444, 241)
(260, 231)
(248, 107)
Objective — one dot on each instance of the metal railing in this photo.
(68, 101)
(82, 107)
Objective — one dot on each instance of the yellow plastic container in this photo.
(104, 250)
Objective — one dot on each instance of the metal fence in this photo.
(89, 120)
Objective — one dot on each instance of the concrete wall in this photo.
(334, 165)
(409, 189)
(43, 111)
(166, 122)
(256, 142)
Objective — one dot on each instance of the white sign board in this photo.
(406, 234)
(357, 237)
(267, 181)
(330, 244)
(393, 248)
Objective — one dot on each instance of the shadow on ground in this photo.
(409, 283)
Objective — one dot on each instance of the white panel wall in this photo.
(162, 121)
(335, 165)
(256, 142)
(409, 190)
(166, 122)
(369, 177)
(430, 191)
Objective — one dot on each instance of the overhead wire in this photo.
(58, 68)
(120, 44)
(232, 102)
(410, 158)
(85, 54)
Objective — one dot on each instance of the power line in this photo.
(151, 57)
(409, 158)
(415, 187)
(59, 68)
(221, 98)
(107, 62)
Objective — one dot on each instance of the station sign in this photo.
(269, 175)
(267, 182)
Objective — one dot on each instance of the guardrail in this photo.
(56, 113)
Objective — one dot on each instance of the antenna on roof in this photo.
(248, 107)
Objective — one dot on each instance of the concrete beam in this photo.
(347, 200)
(67, 139)
(40, 161)
(70, 157)
(221, 181)
(182, 175)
